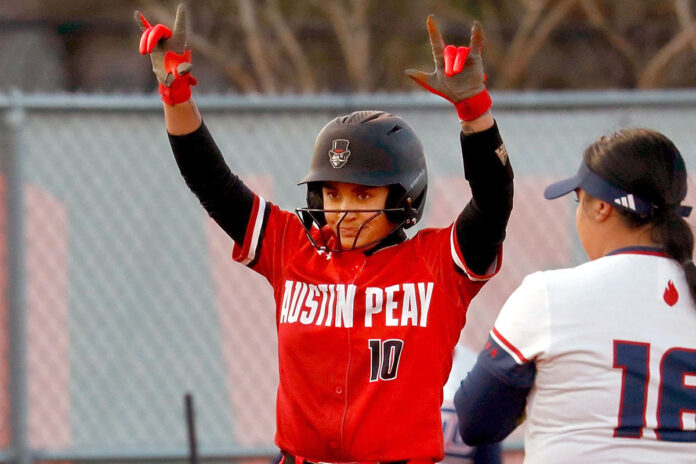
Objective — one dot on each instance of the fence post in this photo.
(17, 335)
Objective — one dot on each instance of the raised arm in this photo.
(171, 63)
(459, 78)
(224, 196)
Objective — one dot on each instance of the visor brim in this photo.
(562, 187)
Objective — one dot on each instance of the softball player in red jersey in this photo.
(604, 354)
(367, 319)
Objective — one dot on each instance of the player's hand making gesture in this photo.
(458, 74)
(171, 58)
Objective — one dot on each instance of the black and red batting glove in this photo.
(458, 75)
(171, 58)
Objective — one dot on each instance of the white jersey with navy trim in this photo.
(613, 342)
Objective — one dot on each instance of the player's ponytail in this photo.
(690, 271)
(678, 240)
(647, 164)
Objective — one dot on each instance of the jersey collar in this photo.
(394, 238)
(639, 250)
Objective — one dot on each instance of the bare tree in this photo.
(654, 71)
(278, 45)
(599, 21)
(683, 10)
(533, 32)
(286, 37)
(349, 21)
(255, 48)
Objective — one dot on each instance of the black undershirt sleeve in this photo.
(480, 227)
(223, 195)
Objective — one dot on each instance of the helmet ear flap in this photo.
(411, 207)
(397, 199)
(315, 200)
(416, 207)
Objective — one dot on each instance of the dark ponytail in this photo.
(678, 240)
(647, 164)
(690, 271)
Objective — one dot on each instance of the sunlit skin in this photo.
(343, 196)
(602, 229)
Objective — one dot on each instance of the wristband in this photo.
(179, 91)
(473, 107)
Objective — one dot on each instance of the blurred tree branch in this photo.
(287, 39)
(654, 70)
(683, 10)
(531, 35)
(349, 21)
(598, 20)
(362, 45)
(255, 48)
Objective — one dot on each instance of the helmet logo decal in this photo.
(339, 153)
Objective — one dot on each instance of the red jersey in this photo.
(365, 343)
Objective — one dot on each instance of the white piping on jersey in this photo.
(258, 222)
(458, 261)
(504, 346)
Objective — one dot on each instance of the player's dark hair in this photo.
(647, 164)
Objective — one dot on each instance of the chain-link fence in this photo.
(119, 295)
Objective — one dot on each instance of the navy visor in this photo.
(602, 189)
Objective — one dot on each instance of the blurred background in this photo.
(118, 294)
(309, 46)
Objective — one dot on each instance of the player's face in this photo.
(369, 226)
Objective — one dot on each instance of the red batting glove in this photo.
(458, 75)
(171, 59)
(179, 90)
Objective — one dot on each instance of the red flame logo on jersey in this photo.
(671, 294)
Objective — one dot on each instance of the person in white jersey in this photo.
(601, 358)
